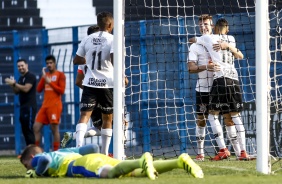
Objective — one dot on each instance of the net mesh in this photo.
(161, 96)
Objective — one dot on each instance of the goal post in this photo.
(262, 86)
(118, 149)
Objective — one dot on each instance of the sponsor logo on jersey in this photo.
(97, 82)
(97, 41)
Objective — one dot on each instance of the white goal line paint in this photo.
(226, 167)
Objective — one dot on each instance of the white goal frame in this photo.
(118, 148)
(262, 83)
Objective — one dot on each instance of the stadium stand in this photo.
(19, 15)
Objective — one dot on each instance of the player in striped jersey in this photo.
(96, 52)
(226, 95)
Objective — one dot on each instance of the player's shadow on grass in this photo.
(11, 177)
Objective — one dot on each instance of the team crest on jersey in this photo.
(54, 78)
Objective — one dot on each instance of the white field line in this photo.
(226, 167)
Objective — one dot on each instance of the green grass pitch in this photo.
(230, 172)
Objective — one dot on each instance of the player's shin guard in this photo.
(232, 134)
(241, 131)
(106, 135)
(217, 130)
(80, 132)
(200, 137)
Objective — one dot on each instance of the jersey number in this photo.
(99, 60)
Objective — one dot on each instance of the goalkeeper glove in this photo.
(30, 174)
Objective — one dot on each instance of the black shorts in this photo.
(91, 97)
(202, 102)
(225, 96)
(96, 117)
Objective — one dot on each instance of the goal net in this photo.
(161, 98)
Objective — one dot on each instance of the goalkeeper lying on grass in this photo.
(68, 163)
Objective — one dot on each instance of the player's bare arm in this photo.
(79, 80)
(78, 60)
(194, 68)
(18, 87)
(226, 46)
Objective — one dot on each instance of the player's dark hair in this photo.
(104, 19)
(221, 22)
(221, 25)
(92, 29)
(22, 60)
(31, 149)
(51, 57)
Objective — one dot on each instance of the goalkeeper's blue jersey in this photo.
(54, 163)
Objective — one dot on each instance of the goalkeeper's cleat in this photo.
(146, 163)
(199, 158)
(30, 174)
(185, 162)
(222, 154)
(68, 137)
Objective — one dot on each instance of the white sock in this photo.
(80, 131)
(240, 131)
(125, 128)
(232, 134)
(92, 131)
(106, 135)
(217, 130)
(200, 136)
(73, 135)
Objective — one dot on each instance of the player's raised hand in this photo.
(47, 79)
(43, 71)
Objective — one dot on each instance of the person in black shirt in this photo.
(26, 88)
